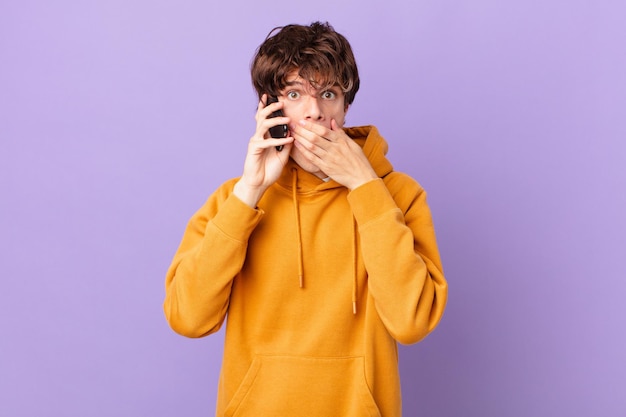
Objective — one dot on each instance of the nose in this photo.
(313, 109)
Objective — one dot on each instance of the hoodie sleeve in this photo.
(399, 248)
(211, 254)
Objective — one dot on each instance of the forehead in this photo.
(294, 79)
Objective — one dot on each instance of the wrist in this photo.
(248, 195)
(363, 180)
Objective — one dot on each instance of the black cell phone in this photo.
(279, 131)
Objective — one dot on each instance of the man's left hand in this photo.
(333, 152)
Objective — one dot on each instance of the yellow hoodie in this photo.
(319, 284)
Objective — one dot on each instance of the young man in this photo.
(321, 256)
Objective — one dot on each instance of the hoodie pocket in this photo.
(303, 386)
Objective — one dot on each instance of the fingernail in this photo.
(301, 122)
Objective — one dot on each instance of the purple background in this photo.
(118, 119)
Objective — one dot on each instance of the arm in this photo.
(405, 275)
(214, 246)
(264, 162)
(211, 254)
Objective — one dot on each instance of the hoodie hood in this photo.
(374, 146)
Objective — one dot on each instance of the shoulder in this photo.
(401, 183)
(404, 189)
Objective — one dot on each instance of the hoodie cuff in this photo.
(371, 200)
(236, 219)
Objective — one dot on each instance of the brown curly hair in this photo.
(321, 56)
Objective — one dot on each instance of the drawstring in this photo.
(294, 184)
(294, 197)
(354, 266)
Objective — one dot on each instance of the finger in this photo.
(284, 153)
(264, 110)
(315, 128)
(311, 132)
(306, 139)
(314, 142)
(334, 134)
(275, 121)
(307, 151)
(272, 142)
(272, 107)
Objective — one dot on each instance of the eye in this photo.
(293, 95)
(328, 95)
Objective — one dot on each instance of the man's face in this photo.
(304, 102)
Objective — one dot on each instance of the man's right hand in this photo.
(263, 164)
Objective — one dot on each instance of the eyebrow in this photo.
(301, 84)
